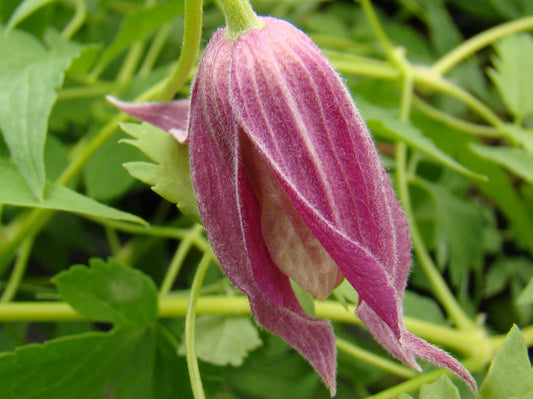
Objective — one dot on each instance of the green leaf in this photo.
(139, 25)
(224, 340)
(515, 160)
(28, 79)
(512, 73)
(170, 175)
(24, 10)
(443, 388)
(384, 122)
(526, 296)
(423, 308)
(72, 367)
(510, 374)
(111, 292)
(104, 174)
(14, 191)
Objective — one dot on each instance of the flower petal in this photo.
(230, 212)
(168, 116)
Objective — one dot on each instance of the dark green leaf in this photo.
(28, 79)
(15, 192)
(25, 9)
(510, 374)
(72, 367)
(111, 292)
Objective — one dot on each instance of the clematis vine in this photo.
(289, 186)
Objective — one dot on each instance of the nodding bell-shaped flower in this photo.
(289, 186)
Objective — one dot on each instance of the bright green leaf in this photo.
(28, 79)
(72, 367)
(139, 25)
(443, 388)
(104, 174)
(24, 10)
(526, 296)
(383, 121)
(515, 160)
(169, 175)
(512, 73)
(111, 292)
(14, 191)
(224, 340)
(510, 374)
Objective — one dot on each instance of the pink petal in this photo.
(230, 213)
(169, 116)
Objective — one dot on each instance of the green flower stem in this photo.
(377, 29)
(154, 50)
(192, 34)
(362, 66)
(411, 385)
(18, 271)
(175, 265)
(476, 43)
(112, 240)
(240, 18)
(77, 21)
(473, 129)
(387, 365)
(128, 67)
(86, 92)
(190, 317)
(442, 292)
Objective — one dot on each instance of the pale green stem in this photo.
(476, 43)
(127, 69)
(375, 360)
(154, 50)
(440, 288)
(18, 271)
(177, 261)
(192, 34)
(77, 21)
(362, 66)
(190, 317)
(240, 18)
(377, 29)
(473, 129)
(411, 385)
(113, 240)
(85, 92)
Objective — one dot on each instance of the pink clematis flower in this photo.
(289, 186)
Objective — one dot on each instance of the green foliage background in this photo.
(101, 277)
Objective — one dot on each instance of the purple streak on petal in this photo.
(169, 116)
(230, 212)
(299, 116)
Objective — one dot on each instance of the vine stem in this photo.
(190, 317)
(175, 265)
(80, 15)
(192, 34)
(476, 43)
(18, 271)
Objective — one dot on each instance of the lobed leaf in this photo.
(109, 291)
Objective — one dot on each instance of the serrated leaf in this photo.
(104, 175)
(170, 175)
(516, 160)
(139, 25)
(224, 340)
(24, 10)
(109, 291)
(457, 237)
(443, 388)
(512, 73)
(28, 79)
(72, 367)
(384, 122)
(14, 191)
(510, 374)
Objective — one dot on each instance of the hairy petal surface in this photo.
(231, 215)
(169, 116)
